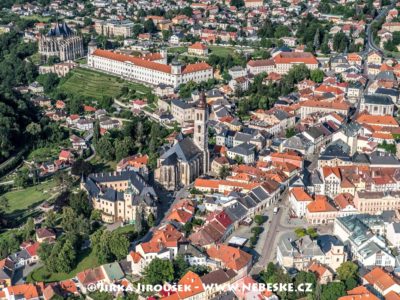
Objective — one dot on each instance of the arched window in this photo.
(199, 129)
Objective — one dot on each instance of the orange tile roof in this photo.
(199, 46)
(192, 280)
(380, 278)
(392, 295)
(300, 194)
(329, 89)
(261, 63)
(343, 200)
(180, 216)
(192, 68)
(359, 293)
(325, 104)
(215, 184)
(318, 269)
(320, 204)
(28, 291)
(353, 57)
(135, 60)
(295, 57)
(377, 120)
(326, 171)
(231, 257)
(136, 257)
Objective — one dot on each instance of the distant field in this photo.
(92, 84)
(178, 50)
(86, 260)
(37, 17)
(221, 51)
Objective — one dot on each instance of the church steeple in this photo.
(200, 135)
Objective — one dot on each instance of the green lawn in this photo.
(101, 165)
(86, 260)
(178, 50)
(221, 51)
(125, 229)
(92, 84)
(24, 199)
(43, 154)
(38, 18)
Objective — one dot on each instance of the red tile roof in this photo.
(320, 204)
(231, 257)
(295, 57)
(135, 60)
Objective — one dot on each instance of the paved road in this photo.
(279, 224)
(382, 14)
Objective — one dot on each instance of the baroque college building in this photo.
(150, 69)
(188, 158)
(61, 42)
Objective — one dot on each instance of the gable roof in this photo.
(231, 257)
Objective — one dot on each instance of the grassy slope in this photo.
(94, 84)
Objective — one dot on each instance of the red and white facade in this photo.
(146, 70)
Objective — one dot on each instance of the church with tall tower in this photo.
(61, 42)
(187, 158)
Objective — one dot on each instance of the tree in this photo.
(317, 75)
(106, 102)
(74, 106)
(105, 148)
(33, 129)
(340, 41)
(290, 132)
(123, 147)
(237, 3)
(22, 179)
(305, 278)
(48, 81)
(180, 266)
(100, 245)
(351, 283)
(96, 132)
(50, 219)
(28, 231)
(268, 272)
(300, 232)
(66, 258)
(333, 291)
(312, 232)
(158, 272)
(81, 167)
(316, 42)
(224, 172)
(109, 246)
(347, 270)
(80, 203)
(239, 159)
(149, 26)
(151, 220)
(187, 11)
(4, 206)
(258, 219)
(71, 222)
(119, 245)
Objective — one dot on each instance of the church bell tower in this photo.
(200, 135)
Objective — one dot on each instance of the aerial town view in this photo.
(202, 149)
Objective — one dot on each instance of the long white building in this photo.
(148, 70)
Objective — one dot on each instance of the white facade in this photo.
(147, 71)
